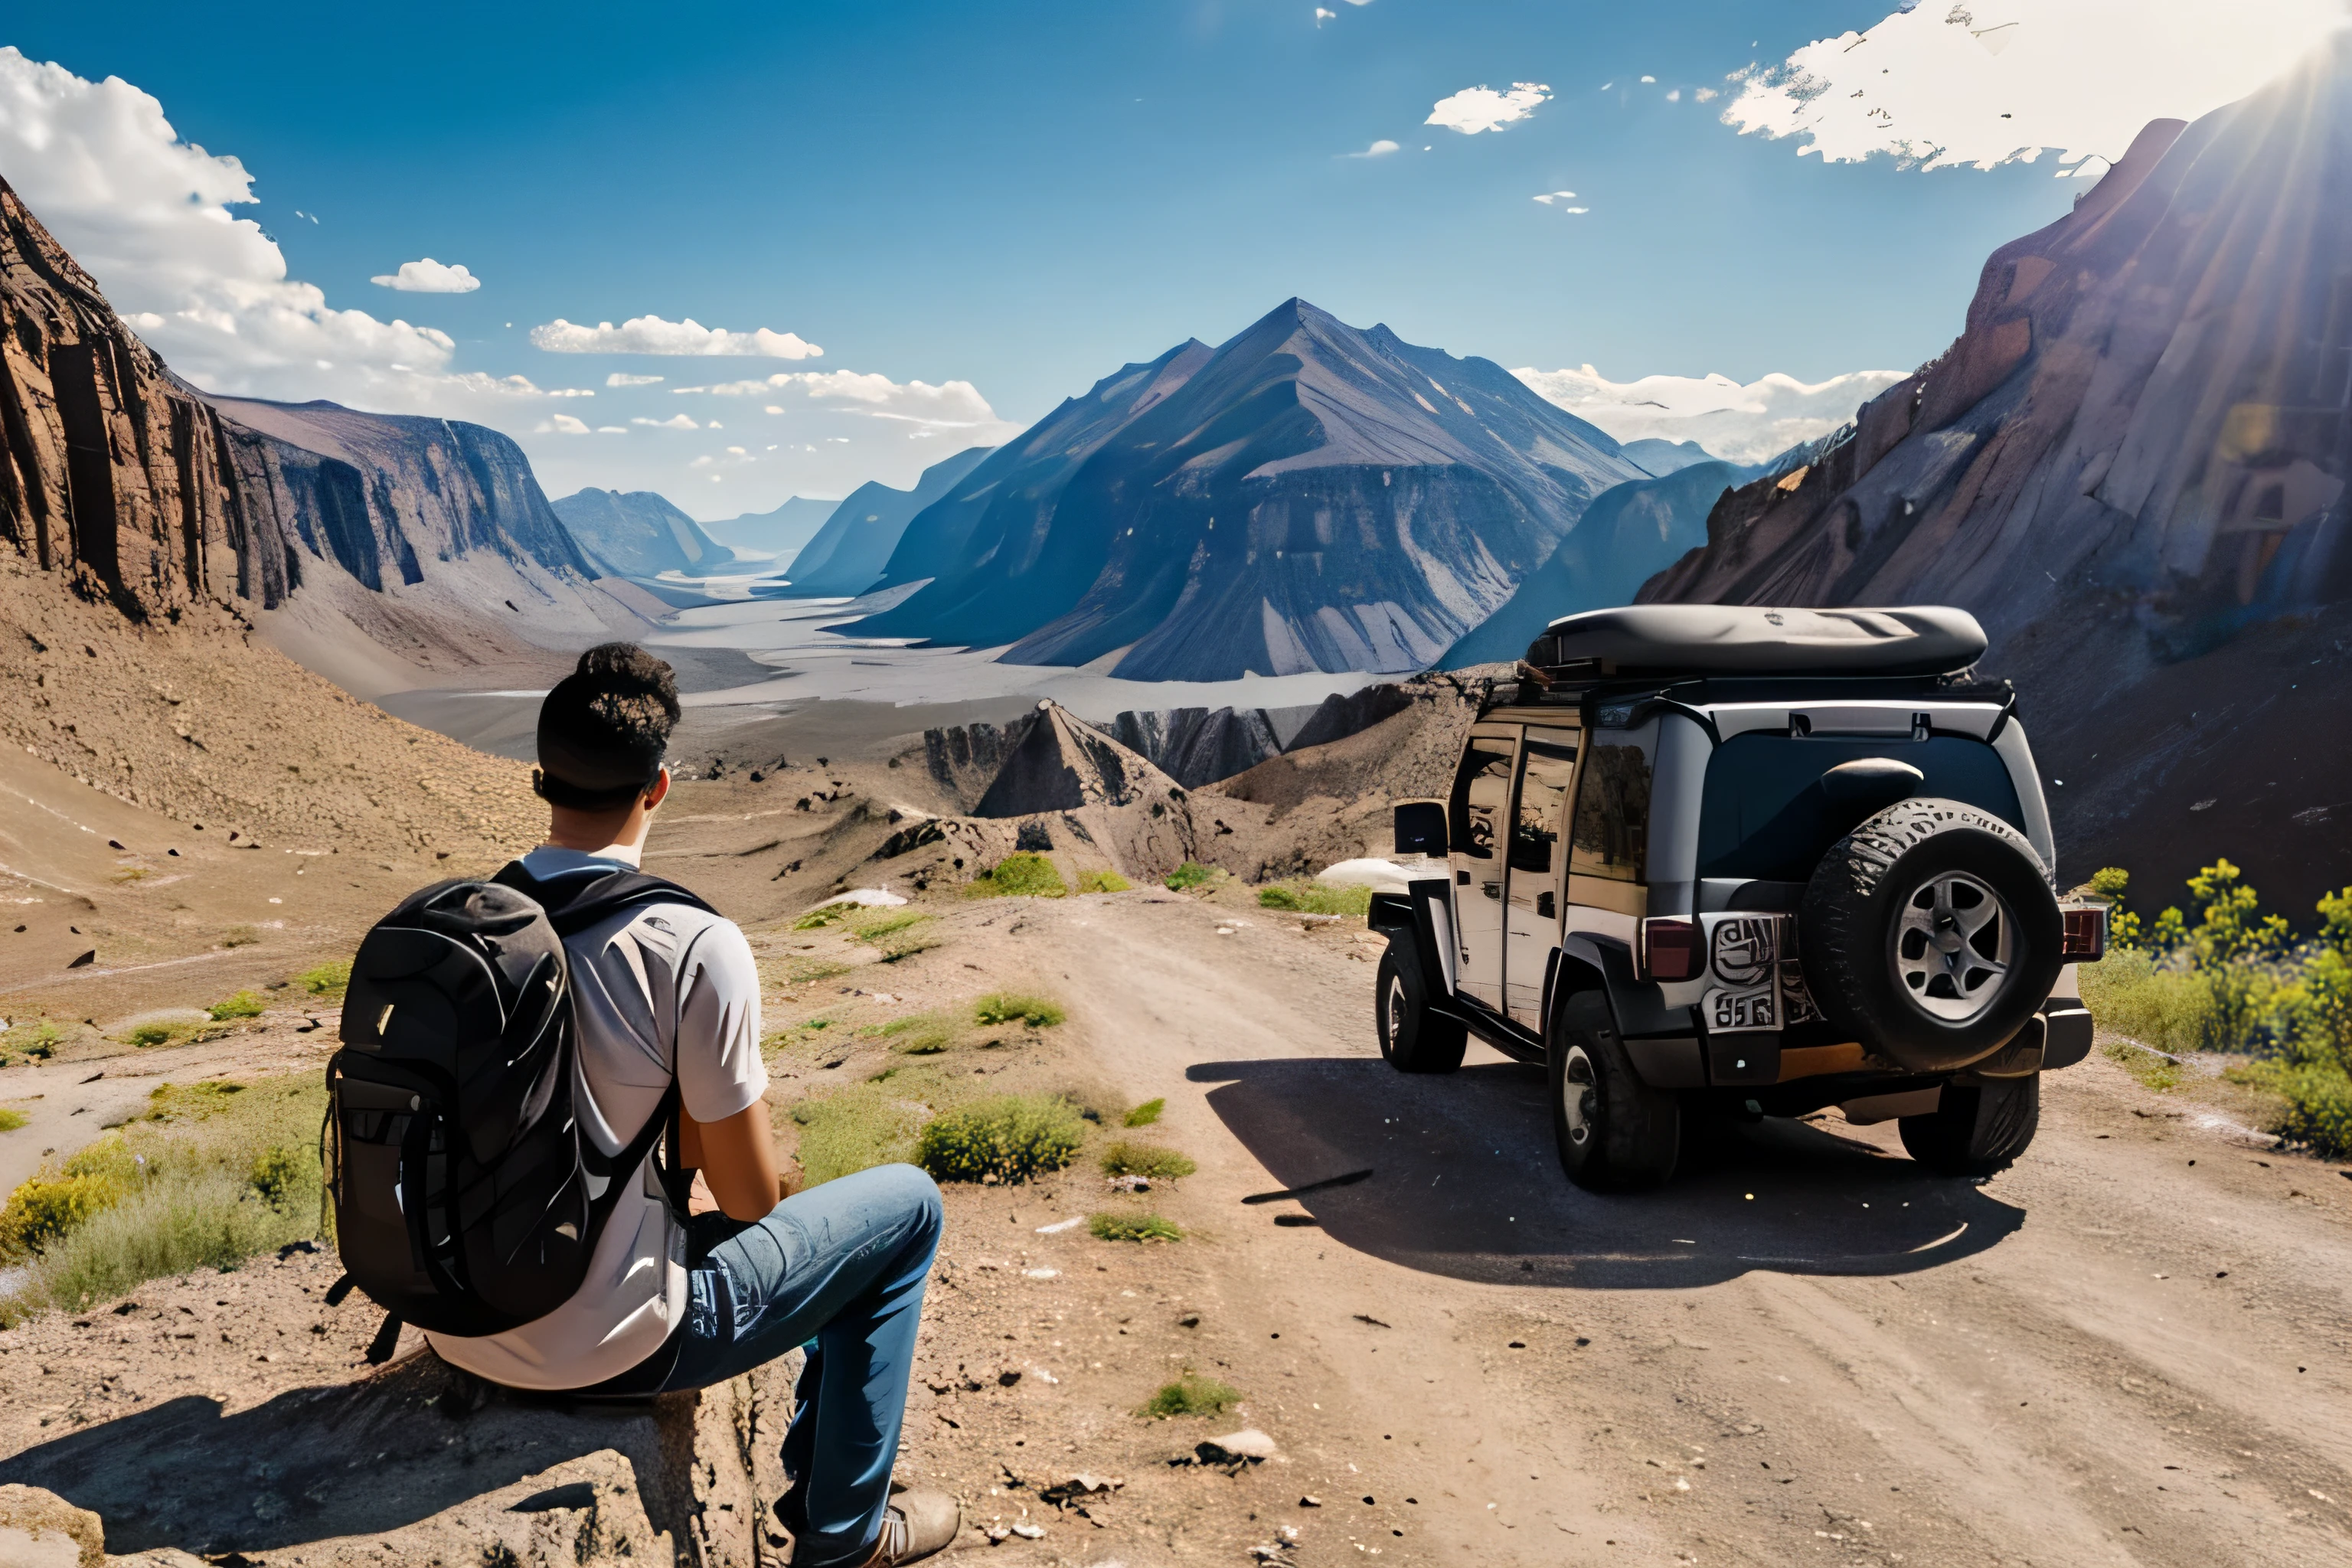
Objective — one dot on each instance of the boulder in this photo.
(41, 1530)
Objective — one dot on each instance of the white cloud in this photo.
(149, 215)
(562, 425)
(428, 277)
(652, 335)
(1649, 80)
(1380, 149)
(675, 422)
(612, 429)
(1673, 95)
(1989, 82)
(1478, 109)
(1321, 15)
(1738, 424)
(1549, 198)
(623, 378)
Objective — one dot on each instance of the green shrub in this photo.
(1020, 876)
(1144, 1115)
(1190, 1395)
(1316, 899)
(145, 1034)
(2319, 1109)
(244, 1004)
(2152, 1070)
(2130, 992)
(10, 1120)
(1008, 1138)
(240, 936)
(1147, 1160)
(1102, 882)
(1132, 1227)
(36, 1037)
(328, 979)
(1191, 874)
(1015, 1008)
(172, 1191)
(921, 1034)
(857, 1127)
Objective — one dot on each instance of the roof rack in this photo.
(1669, 641)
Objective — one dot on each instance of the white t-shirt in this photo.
(652, 984)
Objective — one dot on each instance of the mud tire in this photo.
(1615, 1132)
(1867, 957)
(1413, 1038)
(1977, 1131)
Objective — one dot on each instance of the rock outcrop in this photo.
(638, 534)
(2131, 466)
(1308, 495)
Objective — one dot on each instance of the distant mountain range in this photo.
(778, 536)
(2132, 466)
(1306, 496)
(847, 555)
(638, 534)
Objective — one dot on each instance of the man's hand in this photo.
(735, 1161)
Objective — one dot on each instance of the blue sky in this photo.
(1024, 196)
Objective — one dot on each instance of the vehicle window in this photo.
(1482, 791)
(1612, 835)
(1763, 814)
(1543, 792)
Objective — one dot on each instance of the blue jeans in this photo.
(840, 1268)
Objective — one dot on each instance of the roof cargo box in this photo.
(1756, 640)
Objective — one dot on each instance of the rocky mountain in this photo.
(1629, 533)
(848, 555)
(152, 542)
(775, 538)
(638, 534)
(1306, 496)
(2131, 466)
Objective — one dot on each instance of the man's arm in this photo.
(737, 1160)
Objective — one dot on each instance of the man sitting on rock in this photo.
(667, 989)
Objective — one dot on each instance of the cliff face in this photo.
(1308, 495)
(2131, 466)
(850, 553)
(639, 533)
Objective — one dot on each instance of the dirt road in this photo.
(2127, 1350)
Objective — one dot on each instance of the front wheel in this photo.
(1414, 1039)
(1976, 1131)
(1615, 1132)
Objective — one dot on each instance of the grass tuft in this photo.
(1009, 1138)
(1102, 882)
(244, 1004)
(240, 936)
(1191, 1394)
(857, 1127)
(1304, 896)
(2152, 1070)
(1132, 1227)
(1144, 1115)
(1001, 1007)
(1020, 876)
(1147, 1160)
(328, 979)
(921, 1034)
(1191, 874)
(10, 1120)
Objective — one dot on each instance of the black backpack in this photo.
(467, 1200)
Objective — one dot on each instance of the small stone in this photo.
(1237, 1448)
(1310, 1500)
(1030, 1532)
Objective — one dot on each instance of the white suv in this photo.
(1756, 861)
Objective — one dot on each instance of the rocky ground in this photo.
(2130, 1349)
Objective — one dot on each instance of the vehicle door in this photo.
(1536, 864)
(1477, 826)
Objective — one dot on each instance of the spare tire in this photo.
(1930, 933)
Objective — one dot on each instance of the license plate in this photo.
(1729, 1011)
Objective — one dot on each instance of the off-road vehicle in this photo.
(1714, 861)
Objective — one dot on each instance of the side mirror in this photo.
(1421, 828)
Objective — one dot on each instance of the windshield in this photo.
(1764, 814)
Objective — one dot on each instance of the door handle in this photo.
(1546, 908)
(1491, 890)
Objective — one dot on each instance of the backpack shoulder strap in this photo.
(575, 903)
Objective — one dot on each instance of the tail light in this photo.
(1667, 950)
(2085, 941)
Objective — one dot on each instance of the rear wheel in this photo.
(1414, 1039)
(1976, 1131)
(1615, 1132)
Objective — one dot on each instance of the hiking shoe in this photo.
(914, 1526)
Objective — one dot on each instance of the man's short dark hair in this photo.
(605, 729)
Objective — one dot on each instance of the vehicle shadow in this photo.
(314, 1464)
(1466, 1182)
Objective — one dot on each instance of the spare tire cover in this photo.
(1930, 933)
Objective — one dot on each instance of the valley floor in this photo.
(2129, 1349)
